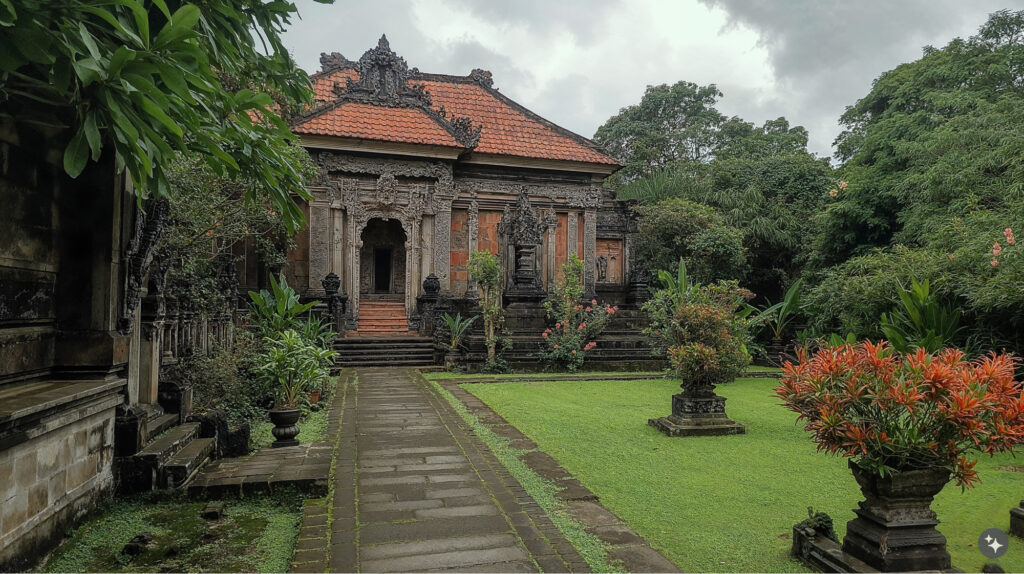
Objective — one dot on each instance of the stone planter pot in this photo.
(285, 427)
(697, 412)
(454, 359)
(314, 397)
(895, 526)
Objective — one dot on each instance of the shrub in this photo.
(458, 328)
(225, 379)
(294, 365)
(576, 324)
(278, 310)
(894, 412)
(486, 271)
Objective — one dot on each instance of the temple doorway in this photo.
(382, 258)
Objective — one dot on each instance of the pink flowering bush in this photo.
(577, 323)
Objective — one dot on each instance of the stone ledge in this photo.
(18, 400)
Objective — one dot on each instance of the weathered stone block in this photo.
(1016, 520)
(25, 470)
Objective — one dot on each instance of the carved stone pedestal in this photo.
(895, 527)
(697, 413)
(1017, 520)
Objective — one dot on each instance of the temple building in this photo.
(418, 170)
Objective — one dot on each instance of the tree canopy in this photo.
(146, 80)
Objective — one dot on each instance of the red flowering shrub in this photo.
(917, 411)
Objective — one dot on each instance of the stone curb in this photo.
(311, 550)
(625, 545)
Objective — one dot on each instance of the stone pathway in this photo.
(414, 491)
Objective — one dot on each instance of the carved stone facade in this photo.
(445, 199)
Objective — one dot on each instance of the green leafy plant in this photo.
(486, 271)
(144, 80)
(921, 322)
(777, 317)
(277, 310)
(458, 328)
(294, 365)
(314, 330)
(576, 324)
(707, 337)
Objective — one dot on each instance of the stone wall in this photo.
(50, 481)
(65, 339)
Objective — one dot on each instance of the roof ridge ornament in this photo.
(384, 77)
(482, 77)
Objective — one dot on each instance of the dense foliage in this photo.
(145, 81)
(577, 323)
(916, 411)
(676, 228)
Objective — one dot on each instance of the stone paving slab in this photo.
(625, 545)
(414, 490)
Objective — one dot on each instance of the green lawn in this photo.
(724, 503)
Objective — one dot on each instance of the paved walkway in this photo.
(414, 491)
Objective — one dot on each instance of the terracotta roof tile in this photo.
(367, 121)
(508, 129)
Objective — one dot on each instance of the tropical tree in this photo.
(486, 271)
(143, 81)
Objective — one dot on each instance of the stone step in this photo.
(186, 462)
(391, 341)
(158, 451)
(387, 363)
(386, 350)
(161, 423)
(384, 360)
(383, 321)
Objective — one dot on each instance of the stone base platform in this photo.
(826, 555)
(712, 427)
(306, 467)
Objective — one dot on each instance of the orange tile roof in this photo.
(508, 128)
(372, 122)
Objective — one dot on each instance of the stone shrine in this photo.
(418, 170)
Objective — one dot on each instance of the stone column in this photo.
(319, 245)
(442, 246)
(589, 249)
(337, 255)
(471, 246)
(571, 233)
(552, 228)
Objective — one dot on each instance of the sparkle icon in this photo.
(992, 543)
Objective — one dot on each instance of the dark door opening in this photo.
(382, 270)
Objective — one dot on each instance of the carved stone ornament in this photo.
(335, 61)
(387, 191)
(482, 77)
(431, 285)
(331, 283)
(149, 229)
(384, 79)
(520, 225)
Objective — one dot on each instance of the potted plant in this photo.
(908, 422)
(704, 335)
(294, 365)
(458, 328)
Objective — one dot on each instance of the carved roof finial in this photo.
(383, 43)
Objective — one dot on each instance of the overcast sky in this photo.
(577, 62)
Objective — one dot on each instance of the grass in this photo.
(724, 504)
(542, 491)
(255, 534)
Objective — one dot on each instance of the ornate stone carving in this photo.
(602, 268)
(431, 285)
(227, 276)
(387, 190)
(585, 197)
(482, 77)
(335, 61)
(384, 77)
(521, 226)
(149, 229)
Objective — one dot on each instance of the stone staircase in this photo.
(381, 315)
(384, 351)
(169, 460)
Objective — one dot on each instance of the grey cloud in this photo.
(826, 53)
(582, 19)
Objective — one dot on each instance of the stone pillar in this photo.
(571, 233)
(337, 255)
(549, 256)
(442, 246)
(320, 229)
(471, 246)
(589, 250)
